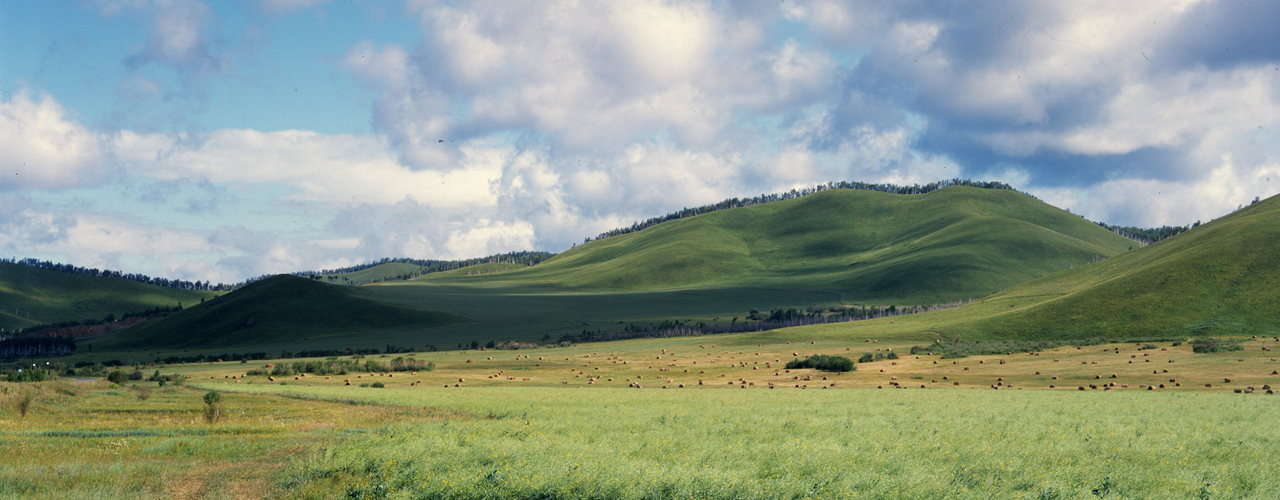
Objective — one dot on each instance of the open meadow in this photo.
(570, 422)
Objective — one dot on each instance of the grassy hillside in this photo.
(1219, 279)
(275, 310)
(1222, 278)
(31, 296)
(475, 270)
(381, 272)
(957, 242)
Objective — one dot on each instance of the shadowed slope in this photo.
(278, 309)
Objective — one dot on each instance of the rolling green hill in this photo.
(1222, 278)
(957, 242)
(31, 296)
(1219, 279)
(279, 309)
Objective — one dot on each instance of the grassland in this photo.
(570, 432)
(30, 296)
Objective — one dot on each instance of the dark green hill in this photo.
(1221, 278)
(279, 309)
(31, 296)
(957, 242)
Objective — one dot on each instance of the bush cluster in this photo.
(823, 362)
(1207, 345)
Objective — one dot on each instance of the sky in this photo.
(225, 140)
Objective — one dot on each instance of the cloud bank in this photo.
(532, 125)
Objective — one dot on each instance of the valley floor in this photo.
(564, 433)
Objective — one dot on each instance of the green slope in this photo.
(957, 242)
(380, 272)
(31, 296)
(280, 309)
(1222, 278)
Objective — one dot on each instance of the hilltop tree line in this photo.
(1147, 236)
(107, 273)
(523, 257)
(793, 194)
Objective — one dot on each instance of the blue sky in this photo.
(223, 140)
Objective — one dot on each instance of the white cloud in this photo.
(316, 167)
(42, 148)
(1152, 203)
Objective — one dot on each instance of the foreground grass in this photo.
(95, 440)
(549, 423)
(618, 443)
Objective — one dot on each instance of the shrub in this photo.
(35, 375)
(823, 362)
(116, 376)
(23, 403)
(377, 385)
(134, 375)
(1208, 345)
(892, 355)
(1147, 347)
(211, 411)
(144, 392)
(866, 358)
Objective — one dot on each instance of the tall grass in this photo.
(549, 443)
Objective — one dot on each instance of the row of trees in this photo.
(107, 273)
(36, 347)
(523, 257)
(793, 194)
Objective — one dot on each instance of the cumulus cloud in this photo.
(511, 126)
(42, 148)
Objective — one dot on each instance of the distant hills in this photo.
(31, 296)
(953, 243)
(1035, 272)
(279, 309)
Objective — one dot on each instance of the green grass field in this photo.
(570, 432)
